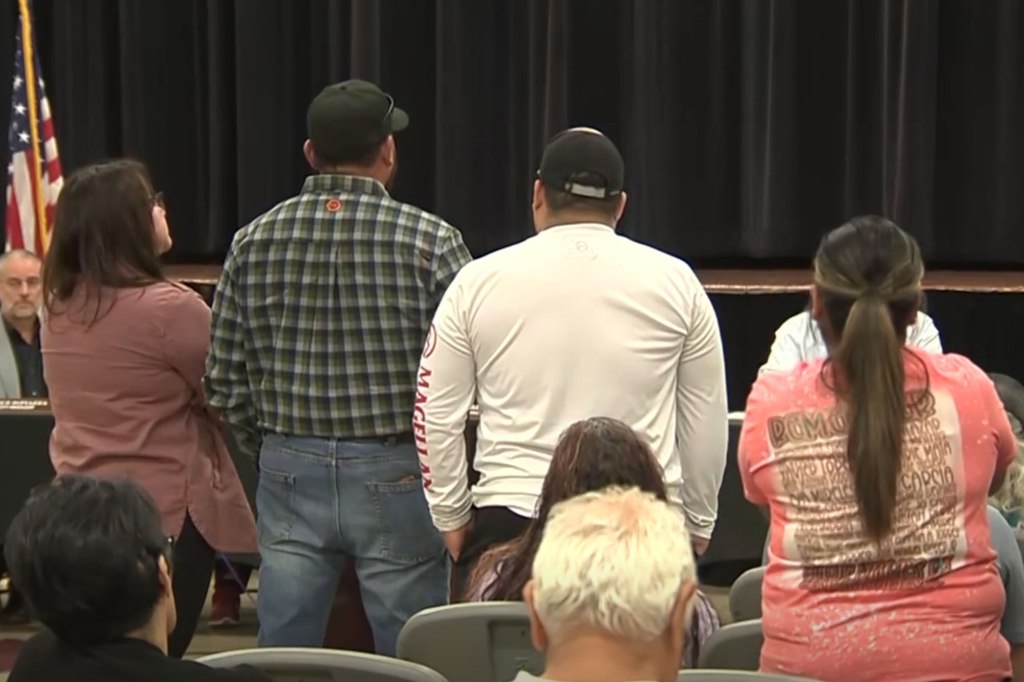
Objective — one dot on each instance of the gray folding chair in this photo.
(324, 665)
(479, 642)
(734, 676)
(733, 647)
(745, 596)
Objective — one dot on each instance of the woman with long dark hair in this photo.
(591, 455)
(876, 464)
(124, 352)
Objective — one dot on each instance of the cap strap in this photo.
(586, 190)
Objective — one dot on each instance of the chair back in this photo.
(745, 596)
(734, 676)
(324, 665)
(734, 647)
(477, 642)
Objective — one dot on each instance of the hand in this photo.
(454, 540)
(700, 545)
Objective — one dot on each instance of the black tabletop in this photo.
(25, 427)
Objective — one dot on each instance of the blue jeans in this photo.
(321, 501)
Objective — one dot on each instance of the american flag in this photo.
(32, 187)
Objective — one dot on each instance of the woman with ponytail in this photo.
(875, 465)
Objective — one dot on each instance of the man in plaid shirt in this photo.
(319, 320)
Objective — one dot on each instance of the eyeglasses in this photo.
(158, 200)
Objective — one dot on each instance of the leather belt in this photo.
(404, 438)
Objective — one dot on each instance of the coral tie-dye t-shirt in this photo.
(926, 603)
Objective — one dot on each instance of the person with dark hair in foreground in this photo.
(125, 352)
(95, 566)
(876, 464)
(21, 296)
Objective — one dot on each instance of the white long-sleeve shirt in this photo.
(799, 339)
(575, 322)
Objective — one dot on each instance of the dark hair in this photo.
(591, 455)
(85, 553)
(362, 155)
(559, 200)
(868, 278)
(103, 234)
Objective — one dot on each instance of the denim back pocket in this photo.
(407, 532)
(275, 504)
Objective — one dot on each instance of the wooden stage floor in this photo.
(743, 281)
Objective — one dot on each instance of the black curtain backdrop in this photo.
(749, 127)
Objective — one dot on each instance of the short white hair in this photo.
(613, 560)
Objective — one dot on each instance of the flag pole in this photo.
(38, 153)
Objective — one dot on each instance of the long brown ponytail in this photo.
(868, 281)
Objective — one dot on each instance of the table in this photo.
(25, 427)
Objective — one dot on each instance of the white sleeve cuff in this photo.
(703, 532)
(445, 522)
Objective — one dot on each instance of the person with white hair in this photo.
(612, 589)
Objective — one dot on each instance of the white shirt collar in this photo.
(577, 227)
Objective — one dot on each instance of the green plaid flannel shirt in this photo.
(321, 312)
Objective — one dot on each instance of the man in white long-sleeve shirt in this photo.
(572, 323)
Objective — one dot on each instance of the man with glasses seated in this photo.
(96, 569)
(21, 297)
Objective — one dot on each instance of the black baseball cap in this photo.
(350, 115)
(583, 152)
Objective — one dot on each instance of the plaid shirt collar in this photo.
(332, 183)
